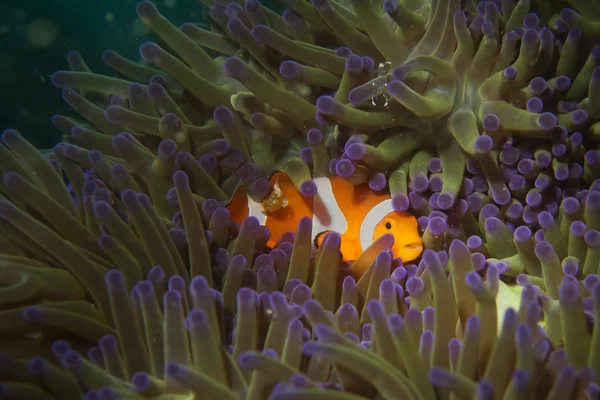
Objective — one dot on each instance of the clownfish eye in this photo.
(388, 226)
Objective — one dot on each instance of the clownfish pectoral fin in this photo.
(242, 206)
(238, 205)
(320, 237)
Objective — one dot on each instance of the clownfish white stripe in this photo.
(374, 216)
(327, 214)
(255, 210)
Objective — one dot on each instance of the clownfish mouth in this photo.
(418, 246)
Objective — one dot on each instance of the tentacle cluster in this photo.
(123, 275)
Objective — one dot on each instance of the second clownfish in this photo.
(359, 214)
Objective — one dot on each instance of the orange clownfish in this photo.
(359, 214)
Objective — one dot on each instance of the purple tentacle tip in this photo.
(141, 381)
(390, 6)
(440, 377)
(415, 286)
(544, 251)
(493, 225)
(433, 200)
(308, 188)
(400, 202)
(377, 181)
(114, 277)
(491, 123)
(354, 64)
(522, 234)
(473, 242)
(180, 179)
(37, 365)
(437, 226)
(420, 183)
(314, 137)
(568, 291)
(546, 121)
(579, 117)
(356, 151)
(592, 238)
(234, 67)
(306, 155)
(592, 157)
(509, 156)
(487, 27)
(344, 168)
(435, 184)
(326, 105)
(435, 165)
(291, 19)
(445, 201)
(509, 73)
(290, 69)
(32, 314)
(535, 105)
(321, 5)
(70, 359)
(150, 51)
(223, 116)
(546, 220)
(533, 198)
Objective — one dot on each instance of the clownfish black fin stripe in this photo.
(320, 237)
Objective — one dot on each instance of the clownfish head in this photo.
(382, 219)
(408, 244)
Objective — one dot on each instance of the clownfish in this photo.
(359, 214)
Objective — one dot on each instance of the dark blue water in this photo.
(36, 35)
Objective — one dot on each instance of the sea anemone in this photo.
(124, 276)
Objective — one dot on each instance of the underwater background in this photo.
(303, 199)
(37, 35)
